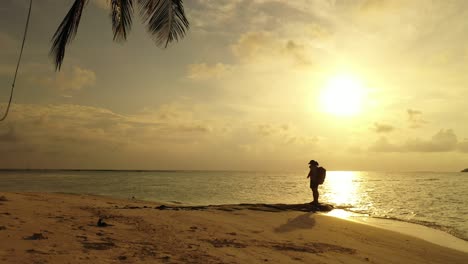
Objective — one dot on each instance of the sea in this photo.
(434, 199)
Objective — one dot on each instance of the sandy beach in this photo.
(62, 228)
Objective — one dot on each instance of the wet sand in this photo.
(62, 228)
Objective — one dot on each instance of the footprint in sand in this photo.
(98, 245)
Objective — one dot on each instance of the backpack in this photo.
(321, 173)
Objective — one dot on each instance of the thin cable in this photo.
(18, 64)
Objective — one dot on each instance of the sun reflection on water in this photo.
(341, 187)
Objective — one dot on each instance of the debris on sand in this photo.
(36, 236)
(101, 223)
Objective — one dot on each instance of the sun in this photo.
(342, 95)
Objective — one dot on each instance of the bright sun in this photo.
(342, 95)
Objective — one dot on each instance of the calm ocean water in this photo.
(434, 199)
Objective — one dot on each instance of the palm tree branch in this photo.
(121, 15)
(66, 32)
(165, 19)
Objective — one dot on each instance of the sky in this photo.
(255, 85)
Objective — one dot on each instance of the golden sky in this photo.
(255, 85)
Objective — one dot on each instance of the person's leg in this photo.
(315, 194)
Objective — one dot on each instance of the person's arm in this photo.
(312, 173)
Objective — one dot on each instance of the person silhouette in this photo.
(314, 183)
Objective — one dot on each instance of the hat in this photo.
(313, 162)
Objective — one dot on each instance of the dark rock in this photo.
(161, 207)
(101, 223)
(36, 236)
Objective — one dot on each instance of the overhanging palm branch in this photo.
(66, 32)
(121, 14)
(165, 20)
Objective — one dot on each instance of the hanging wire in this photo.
(18, 64)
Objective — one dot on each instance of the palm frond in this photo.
(66, 32)
(121, 14)
(165, 20)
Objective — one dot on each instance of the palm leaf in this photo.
(121, 14)
(66, 32)
(165, 20)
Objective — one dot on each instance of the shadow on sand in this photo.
(304, 221)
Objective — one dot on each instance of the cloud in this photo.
(261, 50)
(383, 145)
(443, 141)
(85, 133)
(297, 52)
(382, 128)
(266, 48)
(254, 44)
(283, 134)
(238, 16)
(203, 71)
(77, 136)
(415, 118)
(463, 146)
(368, 5)
(75, 79)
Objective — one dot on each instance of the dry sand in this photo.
(62, 228)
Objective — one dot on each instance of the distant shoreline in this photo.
(102, 170)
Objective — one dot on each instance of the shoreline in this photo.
(427, 233)
(62, 228)
(377, 221)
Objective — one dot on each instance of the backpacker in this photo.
(321, 172)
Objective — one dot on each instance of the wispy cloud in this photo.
(443, 141)
(73, 79)
(204, 71)
(415, 118)
(382, 128)
(94, 136)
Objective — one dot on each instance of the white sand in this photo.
(60, 228)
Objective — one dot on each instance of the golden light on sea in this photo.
(342, 189)
(342, 95)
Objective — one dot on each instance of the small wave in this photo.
(344, 207)
(431, 179)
